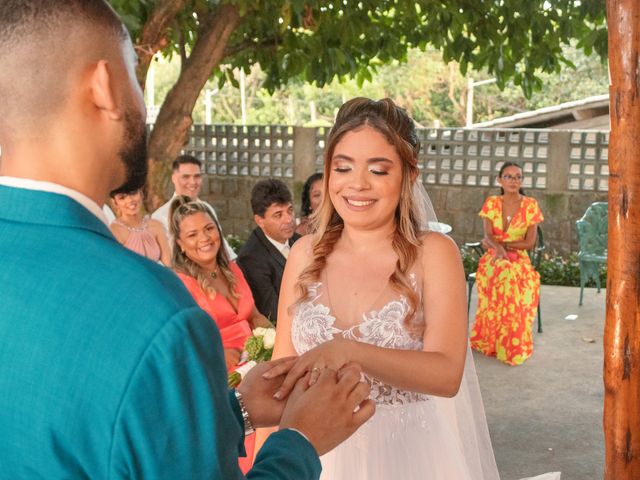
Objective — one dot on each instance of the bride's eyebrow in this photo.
(342, 156)
(379, 160)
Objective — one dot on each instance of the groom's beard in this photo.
(133, 154)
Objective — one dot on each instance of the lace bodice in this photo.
(314, 324)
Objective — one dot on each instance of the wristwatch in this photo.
(248, 426)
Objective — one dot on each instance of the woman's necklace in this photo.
(129, 226)
(509, 217)
(214, 273)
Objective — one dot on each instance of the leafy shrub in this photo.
(557, 270)
(235, 242)
(469, 261)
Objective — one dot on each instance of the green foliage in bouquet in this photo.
(256, 350)
(233, 379)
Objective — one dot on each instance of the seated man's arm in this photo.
(176, 419)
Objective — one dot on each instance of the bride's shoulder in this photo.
(436, 239)
(438, 246)
(302, 246)
(301, 250)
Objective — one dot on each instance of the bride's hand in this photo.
(333, 354)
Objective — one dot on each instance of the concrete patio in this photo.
(547, 414)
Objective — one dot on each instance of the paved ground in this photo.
(547, 414)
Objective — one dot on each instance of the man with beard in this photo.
(108, 369)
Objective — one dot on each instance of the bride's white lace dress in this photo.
(412, 435)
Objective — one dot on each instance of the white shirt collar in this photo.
(280, 246)
(82, 199)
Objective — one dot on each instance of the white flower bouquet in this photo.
(257, 348)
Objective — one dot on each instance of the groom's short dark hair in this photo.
(41, 40)
(21, 20)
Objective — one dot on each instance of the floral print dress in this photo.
(508, 290)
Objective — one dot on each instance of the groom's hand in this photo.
(331, 409)
(258, 392)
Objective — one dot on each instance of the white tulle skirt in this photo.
(434, 439)
(409, 442)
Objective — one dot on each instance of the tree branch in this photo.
(182, 48)
(247, 44)
(227, 108)
(174, 119)
(152, 37)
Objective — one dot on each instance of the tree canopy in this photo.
(313, 41)
(434, 93)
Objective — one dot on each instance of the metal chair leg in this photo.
(470, 282)
(539, 318)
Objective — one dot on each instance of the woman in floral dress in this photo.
(508, 286)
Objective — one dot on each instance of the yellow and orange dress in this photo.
(508, 289)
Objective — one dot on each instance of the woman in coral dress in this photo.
(508, 286)
(217, 285)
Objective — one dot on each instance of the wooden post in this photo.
(621, 338)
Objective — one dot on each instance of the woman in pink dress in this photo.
(138, 232)
(217, 285)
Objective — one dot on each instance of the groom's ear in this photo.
(101, 90)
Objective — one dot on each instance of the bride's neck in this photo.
(366, 240)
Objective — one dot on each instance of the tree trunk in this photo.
(152, 37)
(621, 340)
(170, 132)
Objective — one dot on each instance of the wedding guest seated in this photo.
(310, 201)
(508, 286)
(216, 284)
(263, 256)
(136, 231)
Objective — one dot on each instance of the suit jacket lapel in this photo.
(45, 208)
(270, 247)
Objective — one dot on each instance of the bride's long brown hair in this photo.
(397, 127)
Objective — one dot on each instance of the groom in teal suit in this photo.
(108, 369)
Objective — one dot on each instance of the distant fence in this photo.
(564, 170)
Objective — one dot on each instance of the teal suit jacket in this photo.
(108, 369)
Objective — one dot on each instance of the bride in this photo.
(375, 287)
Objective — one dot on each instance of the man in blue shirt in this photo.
(108, 369)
